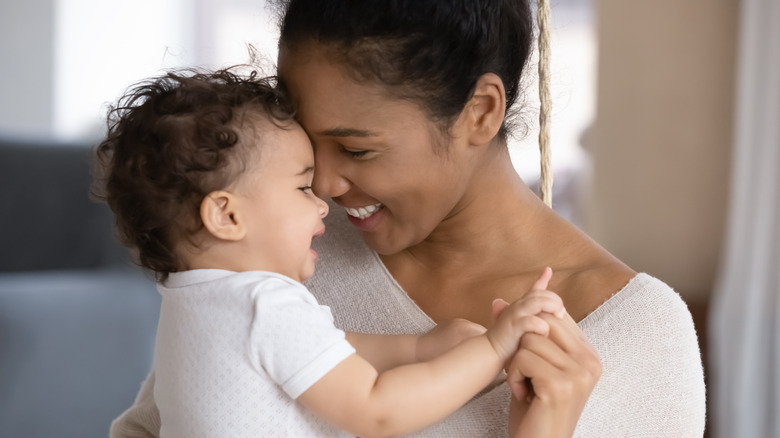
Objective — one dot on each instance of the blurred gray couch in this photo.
(77, 319)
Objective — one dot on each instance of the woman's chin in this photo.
(382, 245)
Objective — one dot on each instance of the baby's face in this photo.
(280, 211)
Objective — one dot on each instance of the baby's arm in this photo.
(384, 352)
(357, 398)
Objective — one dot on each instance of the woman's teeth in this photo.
(363, 212)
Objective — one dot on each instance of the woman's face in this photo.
(378, 157)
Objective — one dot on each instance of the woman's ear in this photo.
(220, 215)
(484, 113)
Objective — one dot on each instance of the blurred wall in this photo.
(661, 142)
(26, 64)
(63, 61)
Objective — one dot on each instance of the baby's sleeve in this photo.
(142, 420)
(293, 338)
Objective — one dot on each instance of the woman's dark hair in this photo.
(430, 51)
(172, 140)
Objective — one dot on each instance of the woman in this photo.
(406, 105)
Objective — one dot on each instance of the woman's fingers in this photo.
(536, 356)
(552, 376)
(518, 384)
(538, 359)
(566, 334)
(559, 365)
(528, 365)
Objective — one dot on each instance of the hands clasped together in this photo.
(551, 368)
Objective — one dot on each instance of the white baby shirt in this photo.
(234, 351)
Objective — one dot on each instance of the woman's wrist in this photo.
(548, 419)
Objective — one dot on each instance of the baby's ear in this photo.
(220, 215)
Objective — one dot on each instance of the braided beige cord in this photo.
(543, 19)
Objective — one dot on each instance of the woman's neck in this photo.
(498, 215)
(495, 244)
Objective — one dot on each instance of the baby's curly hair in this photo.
(172, 140)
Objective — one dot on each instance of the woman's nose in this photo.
(328, 181)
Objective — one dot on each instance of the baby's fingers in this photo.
(544, 280)
(538, 301)
(506, 336)
(532, 324)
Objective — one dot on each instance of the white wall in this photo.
(63, 61)
(102, 46)
(26, 64)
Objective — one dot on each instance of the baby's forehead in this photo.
(266, 139)
(257, 120)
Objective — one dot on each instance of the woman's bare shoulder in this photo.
(585, 288)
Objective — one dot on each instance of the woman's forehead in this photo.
(327, 98)
(308, 73)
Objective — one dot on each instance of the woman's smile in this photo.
(363, 212)
(411, 175)
(366, 218)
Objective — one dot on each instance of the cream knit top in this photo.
(652, 383)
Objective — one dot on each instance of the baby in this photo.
(209, 178)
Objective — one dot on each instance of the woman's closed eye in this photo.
(305, 189)
(353, 153)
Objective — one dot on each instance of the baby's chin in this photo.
(306, 276)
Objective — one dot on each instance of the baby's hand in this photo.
(445, 336)
(516, 319)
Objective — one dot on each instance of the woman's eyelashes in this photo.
(305, 189)
(352, 153)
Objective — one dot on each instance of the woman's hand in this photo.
(551, 378)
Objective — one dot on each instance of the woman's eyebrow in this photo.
(348, 132)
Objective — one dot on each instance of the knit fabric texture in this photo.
(652, 384)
